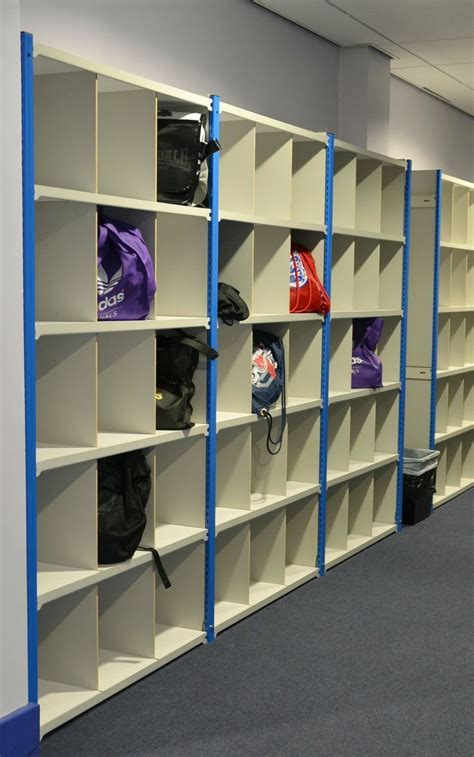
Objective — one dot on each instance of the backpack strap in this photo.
(158, 565)
(274, 445)
(201, 347)
(211, 147)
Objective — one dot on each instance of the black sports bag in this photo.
(231, 307)
(183, 150)
(177, 356)
(124, 486)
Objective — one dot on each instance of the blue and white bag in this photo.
(269, 383)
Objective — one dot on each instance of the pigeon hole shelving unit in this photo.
(272, 191)
(100, 628)
(364, 426)
(254, 526)
(440, 373)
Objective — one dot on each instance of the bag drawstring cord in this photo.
(265, 413)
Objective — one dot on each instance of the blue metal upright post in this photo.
(211, 446)
(403, 344)
(28, 170)
(325, 357)
(434, 335)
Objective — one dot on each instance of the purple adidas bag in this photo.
(125, 274)
(366, 366)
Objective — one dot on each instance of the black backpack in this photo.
(177, 356)
(182, 153)
(124, 486)
(231, 307)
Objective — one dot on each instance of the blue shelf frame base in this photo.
(211, 443)
(403, 344)
(325, 354)
(20, 732)
(434, 334)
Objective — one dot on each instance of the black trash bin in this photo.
(419, 484)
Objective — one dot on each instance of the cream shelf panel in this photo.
(236, 241)
(237, 166)
(335, 397)
(65, 107)
(50, 456)
(66, 251)
(361, 505)
(390, 276)
(263, 504)
(447, 214)
(386, 423)
(268, 471)
(388, 349)
(303, 447)
(385, 498)
(344, 201)
(366, 275)
(271, 292)
(301, 537)
(67, 519)
(358, 468)
(67, 655)
(234, 389)
(126, 627)
(233, 420)
(468, 399)
(393, 199)
(232, 575)
(460, 214)
(308, 182)
(66, 392)
(45, 193)
(273, 168)
(339, 438)
(160, 323)
(121, 116)
(267, 555)
(342, 275)
(181, 606)
(340, 361)
(362, 430)
(234, 469)
(304, 364)
(348, 231)
(50, 60)
(126, 383)
(442, 403)
(183, 242)
(368, 194)
(179, 516)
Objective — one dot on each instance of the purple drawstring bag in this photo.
(366, 366)
(125, 274)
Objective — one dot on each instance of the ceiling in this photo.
(431, 42)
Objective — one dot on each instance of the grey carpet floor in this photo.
(372, 660)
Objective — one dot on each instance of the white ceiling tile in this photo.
(438, 82)
(463, 72)
(411, 20)
(444, 51)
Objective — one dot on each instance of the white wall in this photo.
(13, 657)
(232, 48)
(430, 132)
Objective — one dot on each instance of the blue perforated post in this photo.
(326, 350)
(211, 446)
(434, 334)
(403, 344)
(28, 170)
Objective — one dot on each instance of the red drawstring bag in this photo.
(307, 294)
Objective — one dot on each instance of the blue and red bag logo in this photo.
(300, 271)
(264, 368)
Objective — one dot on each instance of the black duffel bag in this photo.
(177, 356)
